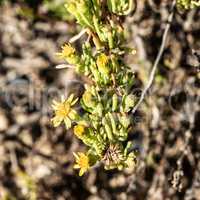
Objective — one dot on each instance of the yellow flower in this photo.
(69, 54)
(82, 163)
(64, 112)
(102, 63)
(79, 130)
(67, 51)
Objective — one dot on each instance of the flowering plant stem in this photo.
(104, 121)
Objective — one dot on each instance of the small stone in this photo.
(13, 130)
(21, 119)
(26, 138)
(94, 197)
(118, 181)
(42, 171)
(3, 122)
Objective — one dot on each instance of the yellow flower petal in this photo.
(67, 122)
(55, 103)
(75, 155)
(74, 101)
(70, 98)
(76, 166)
(72, 114)
(56, 121)
(81, 172)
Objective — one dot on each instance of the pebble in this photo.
(3, 122)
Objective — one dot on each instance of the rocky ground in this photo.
(36, 159)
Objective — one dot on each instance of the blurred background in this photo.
(36, 161)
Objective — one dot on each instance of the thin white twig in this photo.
(76, 37)
(153, 71)
(63, 66)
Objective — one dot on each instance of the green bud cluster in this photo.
(105, 123)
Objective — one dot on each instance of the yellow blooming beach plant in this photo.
(104, 122)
